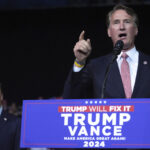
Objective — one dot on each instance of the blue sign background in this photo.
(43, 126)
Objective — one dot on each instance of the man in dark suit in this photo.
(9, 129)
(86, 78)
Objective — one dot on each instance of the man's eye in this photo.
(127, 21)
(116, 22)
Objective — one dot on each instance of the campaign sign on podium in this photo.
(86, 123)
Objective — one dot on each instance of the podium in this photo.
(86, 123)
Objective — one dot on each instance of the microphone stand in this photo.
(117, 50)
(114, 57)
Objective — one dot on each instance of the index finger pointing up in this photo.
(81, 37)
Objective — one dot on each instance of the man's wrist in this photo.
(79, 64)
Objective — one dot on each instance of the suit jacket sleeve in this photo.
(78, 84)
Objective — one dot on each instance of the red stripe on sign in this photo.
(97, 108)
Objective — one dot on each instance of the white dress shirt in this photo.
(132, 59)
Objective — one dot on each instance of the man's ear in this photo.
(108, 32)
(136, 31)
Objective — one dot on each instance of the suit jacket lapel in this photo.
(115, 81)
(3, 119)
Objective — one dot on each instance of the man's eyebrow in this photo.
(116, 20)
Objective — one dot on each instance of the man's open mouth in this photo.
(122, 35)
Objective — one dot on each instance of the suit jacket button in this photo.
(5, 119)
(145, 62)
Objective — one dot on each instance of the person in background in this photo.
(9, 129)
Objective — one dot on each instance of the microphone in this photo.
(116, 50)
(118, 47)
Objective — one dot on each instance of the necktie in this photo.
(125, 75)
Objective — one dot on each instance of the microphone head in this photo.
(118, 47)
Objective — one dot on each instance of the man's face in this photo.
(122, 27)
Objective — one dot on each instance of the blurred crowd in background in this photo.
(16, 109)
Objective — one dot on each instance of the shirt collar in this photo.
(1, 110)
(132, 53)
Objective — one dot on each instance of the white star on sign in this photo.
(91, 102)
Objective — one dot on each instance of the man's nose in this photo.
(122, 26)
